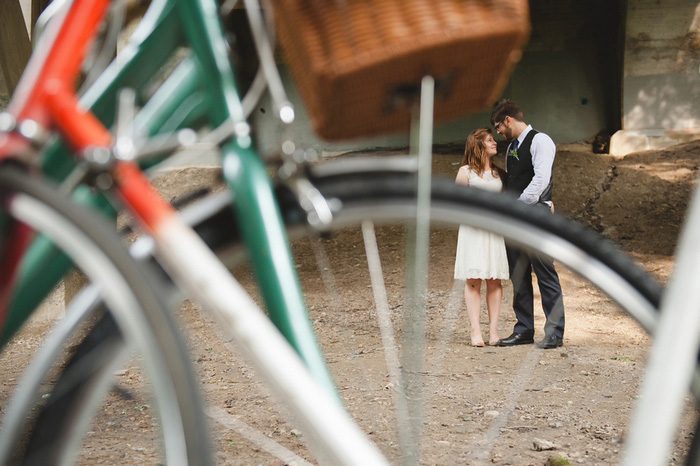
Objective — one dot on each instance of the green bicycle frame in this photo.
(201, 89)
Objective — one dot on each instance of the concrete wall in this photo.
(632, 65)
(567, 82)
(661, 84)
(662, 56)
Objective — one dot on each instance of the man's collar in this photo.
(521, 138)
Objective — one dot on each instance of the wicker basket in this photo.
(358, 63)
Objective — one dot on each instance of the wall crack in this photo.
(594, 220)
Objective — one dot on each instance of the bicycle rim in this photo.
(377, 379)
(82, 388)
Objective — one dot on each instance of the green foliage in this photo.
(556, 460)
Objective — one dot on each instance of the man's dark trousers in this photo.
(521, 266)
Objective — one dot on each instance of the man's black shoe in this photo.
(550, 341)
(516, 339)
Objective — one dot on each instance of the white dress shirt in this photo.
(543, 150)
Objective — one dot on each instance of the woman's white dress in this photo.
(481, 254)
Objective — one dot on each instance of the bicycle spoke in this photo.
(391, 354)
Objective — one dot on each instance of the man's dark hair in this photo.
(504, 108)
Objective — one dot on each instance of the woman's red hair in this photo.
(475, 156)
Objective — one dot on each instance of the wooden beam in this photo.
(15, 47)
(38, 7)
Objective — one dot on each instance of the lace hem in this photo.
(480, 275)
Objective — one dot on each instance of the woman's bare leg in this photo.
(472, 297)
(494, 295)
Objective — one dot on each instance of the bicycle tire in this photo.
(379, 194)
(585, 253)
(134, 308)
(365, 189)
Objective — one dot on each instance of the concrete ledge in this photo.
(627, 141)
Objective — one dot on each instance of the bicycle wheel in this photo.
(362, 317)
(54, 404)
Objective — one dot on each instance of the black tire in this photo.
(365, 190)
(371, 191)
(390, 197)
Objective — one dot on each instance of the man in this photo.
(529, 161)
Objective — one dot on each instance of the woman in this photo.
(481, 255)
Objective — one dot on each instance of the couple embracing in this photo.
(484, 256)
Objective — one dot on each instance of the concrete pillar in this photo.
(661, 82)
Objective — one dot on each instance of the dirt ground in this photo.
(509, 406)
